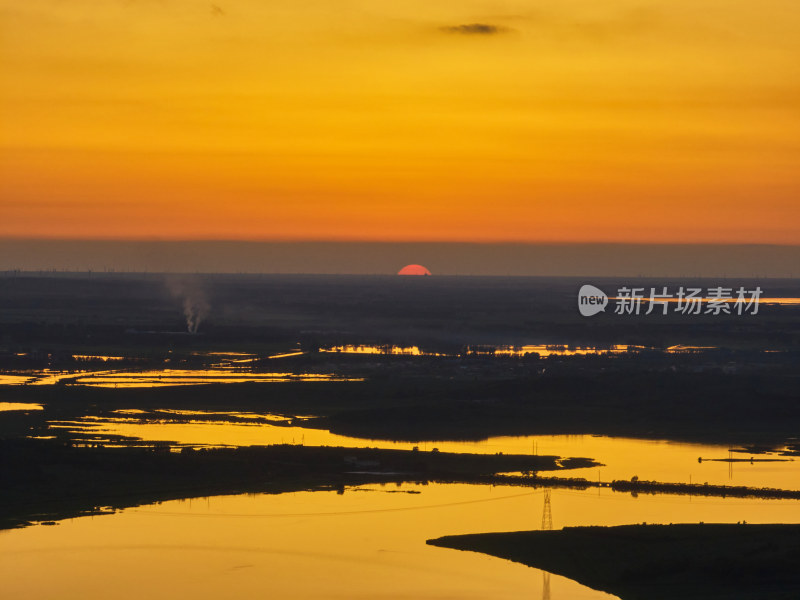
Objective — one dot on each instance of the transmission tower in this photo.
(547, 515)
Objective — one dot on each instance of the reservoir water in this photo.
(368, 542)
(622, 458)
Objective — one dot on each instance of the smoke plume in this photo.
(193, 299)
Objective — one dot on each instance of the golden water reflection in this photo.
(121, 378)
(362, 544)
(168, 377)
(623, 458)
(368, 542)
(237, 367)
(385, 350)
(8, 406)
(203, 413)
(542, 350)
(15, 379)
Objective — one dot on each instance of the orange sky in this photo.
(568, 120)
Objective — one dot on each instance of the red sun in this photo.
(413, 270)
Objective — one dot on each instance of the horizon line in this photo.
(7, 238)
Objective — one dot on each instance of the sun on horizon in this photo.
(414, 270)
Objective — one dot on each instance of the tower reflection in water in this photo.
(547, 525)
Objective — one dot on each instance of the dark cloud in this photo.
(476, 29)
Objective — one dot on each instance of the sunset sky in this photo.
(469, 120)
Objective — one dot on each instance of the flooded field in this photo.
(623, 458)
(164, 377)
(541, 350)
(22, 406)
(324, 363)
(368, 542)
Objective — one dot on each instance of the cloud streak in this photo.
(475, 29)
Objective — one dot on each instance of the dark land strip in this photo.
(658, 562)
(47, 480)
